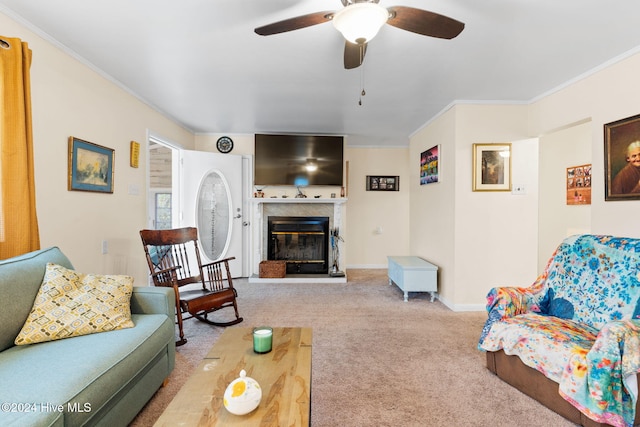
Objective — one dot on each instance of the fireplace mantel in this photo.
(259, 200)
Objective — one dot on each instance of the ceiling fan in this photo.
(360, 20)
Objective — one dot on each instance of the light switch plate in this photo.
(518, 190)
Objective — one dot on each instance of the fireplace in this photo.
(301, 241)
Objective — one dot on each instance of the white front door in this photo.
(210, 189)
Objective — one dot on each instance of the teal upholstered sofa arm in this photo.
(152, 300)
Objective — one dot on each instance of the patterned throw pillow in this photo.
(71, 304)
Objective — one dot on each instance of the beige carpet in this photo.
(377, 361)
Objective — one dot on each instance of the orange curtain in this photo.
(18, 221)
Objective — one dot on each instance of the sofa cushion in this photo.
(72, 304)
(86, 371)
(594, 280)
(20, 280)
(544, 343)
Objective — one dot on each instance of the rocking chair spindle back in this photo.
(170, 255)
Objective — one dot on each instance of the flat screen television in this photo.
(299, 160)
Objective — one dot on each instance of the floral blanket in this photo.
(578, 324)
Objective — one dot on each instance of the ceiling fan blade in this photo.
(424, 22)
(294, 23)
(353, 54)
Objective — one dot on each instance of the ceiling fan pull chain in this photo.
(362, 93)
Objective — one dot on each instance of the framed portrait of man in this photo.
(622, 159)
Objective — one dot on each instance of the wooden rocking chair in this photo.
(170, 255)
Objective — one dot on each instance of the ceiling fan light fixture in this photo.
(360, 22)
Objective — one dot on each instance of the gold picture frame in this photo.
(621, 151)
(492, 167)
(90, 166)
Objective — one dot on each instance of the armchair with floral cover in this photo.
(578, 325)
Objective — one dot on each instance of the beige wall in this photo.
(242, 143)
(70, 99)
(377, 221)
(432, 206)
(492, 239)
(608, 95)
(496, 232)
(558, 151)
(478, 239)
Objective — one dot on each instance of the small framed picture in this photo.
(90, 166)
(579, 185)
(383, 183)
(492, 167)
(429, 165)
(622, 159)
(134, 154)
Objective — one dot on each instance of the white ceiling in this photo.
(200, 63)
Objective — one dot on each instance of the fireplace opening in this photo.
(303, 242)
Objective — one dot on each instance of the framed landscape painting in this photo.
(90, 166)
(491, 167)
(622, 159)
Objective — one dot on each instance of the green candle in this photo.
(262, 339)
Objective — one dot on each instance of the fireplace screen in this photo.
(301, 241)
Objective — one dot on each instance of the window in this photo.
(163, 211)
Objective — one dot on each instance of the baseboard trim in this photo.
(462, 307)
(299, 278)
(367, 266)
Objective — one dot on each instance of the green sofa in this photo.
(99, 379)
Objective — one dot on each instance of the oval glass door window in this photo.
(213, 215)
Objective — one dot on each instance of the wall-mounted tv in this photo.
(299, 160)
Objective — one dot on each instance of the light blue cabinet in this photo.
(413, 274)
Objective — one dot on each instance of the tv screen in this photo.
(298, 160)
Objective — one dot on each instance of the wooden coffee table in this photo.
(284, 375)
